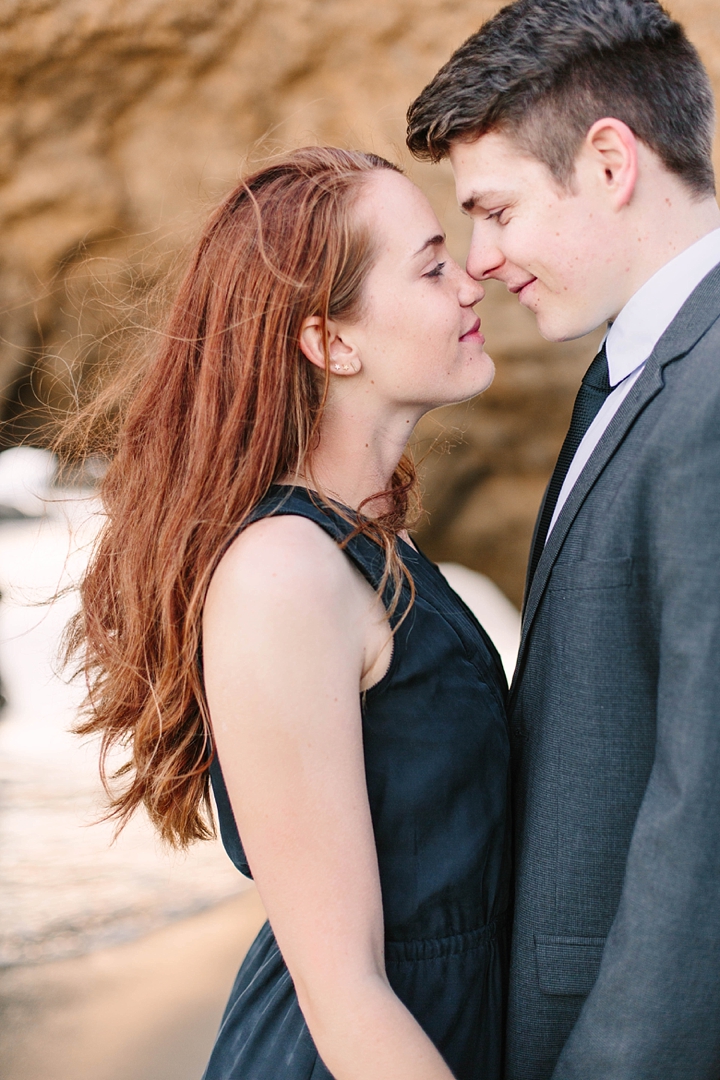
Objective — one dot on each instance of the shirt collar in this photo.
(647, 315)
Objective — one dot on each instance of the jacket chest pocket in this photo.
(584, 574)
(567, 965)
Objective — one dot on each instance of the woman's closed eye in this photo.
(497, 215)
(436, 271)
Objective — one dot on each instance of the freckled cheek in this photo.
(558, 269)
(425, 327)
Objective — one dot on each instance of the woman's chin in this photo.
(480, 375)
(458, 398)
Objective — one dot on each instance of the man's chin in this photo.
(557, 327)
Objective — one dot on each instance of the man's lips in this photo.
(523, 285)
(473, 334)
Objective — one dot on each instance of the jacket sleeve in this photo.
(654, 1012)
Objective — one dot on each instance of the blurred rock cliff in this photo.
(123, 121)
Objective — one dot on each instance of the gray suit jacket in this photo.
(615, 715)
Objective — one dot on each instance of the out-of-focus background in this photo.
(122, 122)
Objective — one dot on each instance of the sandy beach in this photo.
(145, 1010)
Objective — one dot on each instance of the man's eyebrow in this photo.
(482, 199)
(434, 241)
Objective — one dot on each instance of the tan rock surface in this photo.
(122, 121)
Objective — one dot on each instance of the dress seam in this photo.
(398, 952)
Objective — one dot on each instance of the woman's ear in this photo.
(344, 357)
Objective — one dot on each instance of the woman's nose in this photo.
(471, 291)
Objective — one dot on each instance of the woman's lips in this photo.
(473, 334)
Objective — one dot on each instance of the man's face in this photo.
(559, 250)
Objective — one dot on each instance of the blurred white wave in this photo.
(26, 477)
(66, 888)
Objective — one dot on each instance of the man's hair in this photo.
(543, 71)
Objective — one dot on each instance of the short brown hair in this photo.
(545, 70)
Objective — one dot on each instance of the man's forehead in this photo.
(486, 170)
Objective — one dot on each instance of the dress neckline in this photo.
(328, 504)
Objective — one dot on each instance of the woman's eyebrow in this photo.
(434, 241)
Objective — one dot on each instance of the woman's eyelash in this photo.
(496, 215)
(436, 270)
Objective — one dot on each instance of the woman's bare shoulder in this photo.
(286, 557)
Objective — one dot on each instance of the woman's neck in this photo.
(358, 454)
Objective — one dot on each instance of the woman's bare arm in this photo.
(289, 627)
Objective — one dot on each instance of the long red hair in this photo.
(226, 407)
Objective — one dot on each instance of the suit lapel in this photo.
(692, 321)
(644, 390)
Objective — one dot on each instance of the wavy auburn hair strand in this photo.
(226, 407)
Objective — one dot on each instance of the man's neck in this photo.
(671, 225)
(651, 309)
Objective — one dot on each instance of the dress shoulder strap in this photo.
(366, 555)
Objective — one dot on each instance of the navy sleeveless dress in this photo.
(436, 761)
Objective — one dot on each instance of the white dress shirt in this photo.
(634, 335)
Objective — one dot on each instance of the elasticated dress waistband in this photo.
(402, 952)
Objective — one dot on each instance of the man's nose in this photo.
(485, 259)
(471, 291)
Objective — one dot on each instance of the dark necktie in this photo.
(593, 391)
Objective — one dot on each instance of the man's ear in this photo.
(344, 357)
(613, 149)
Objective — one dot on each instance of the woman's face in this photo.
(418, 338)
